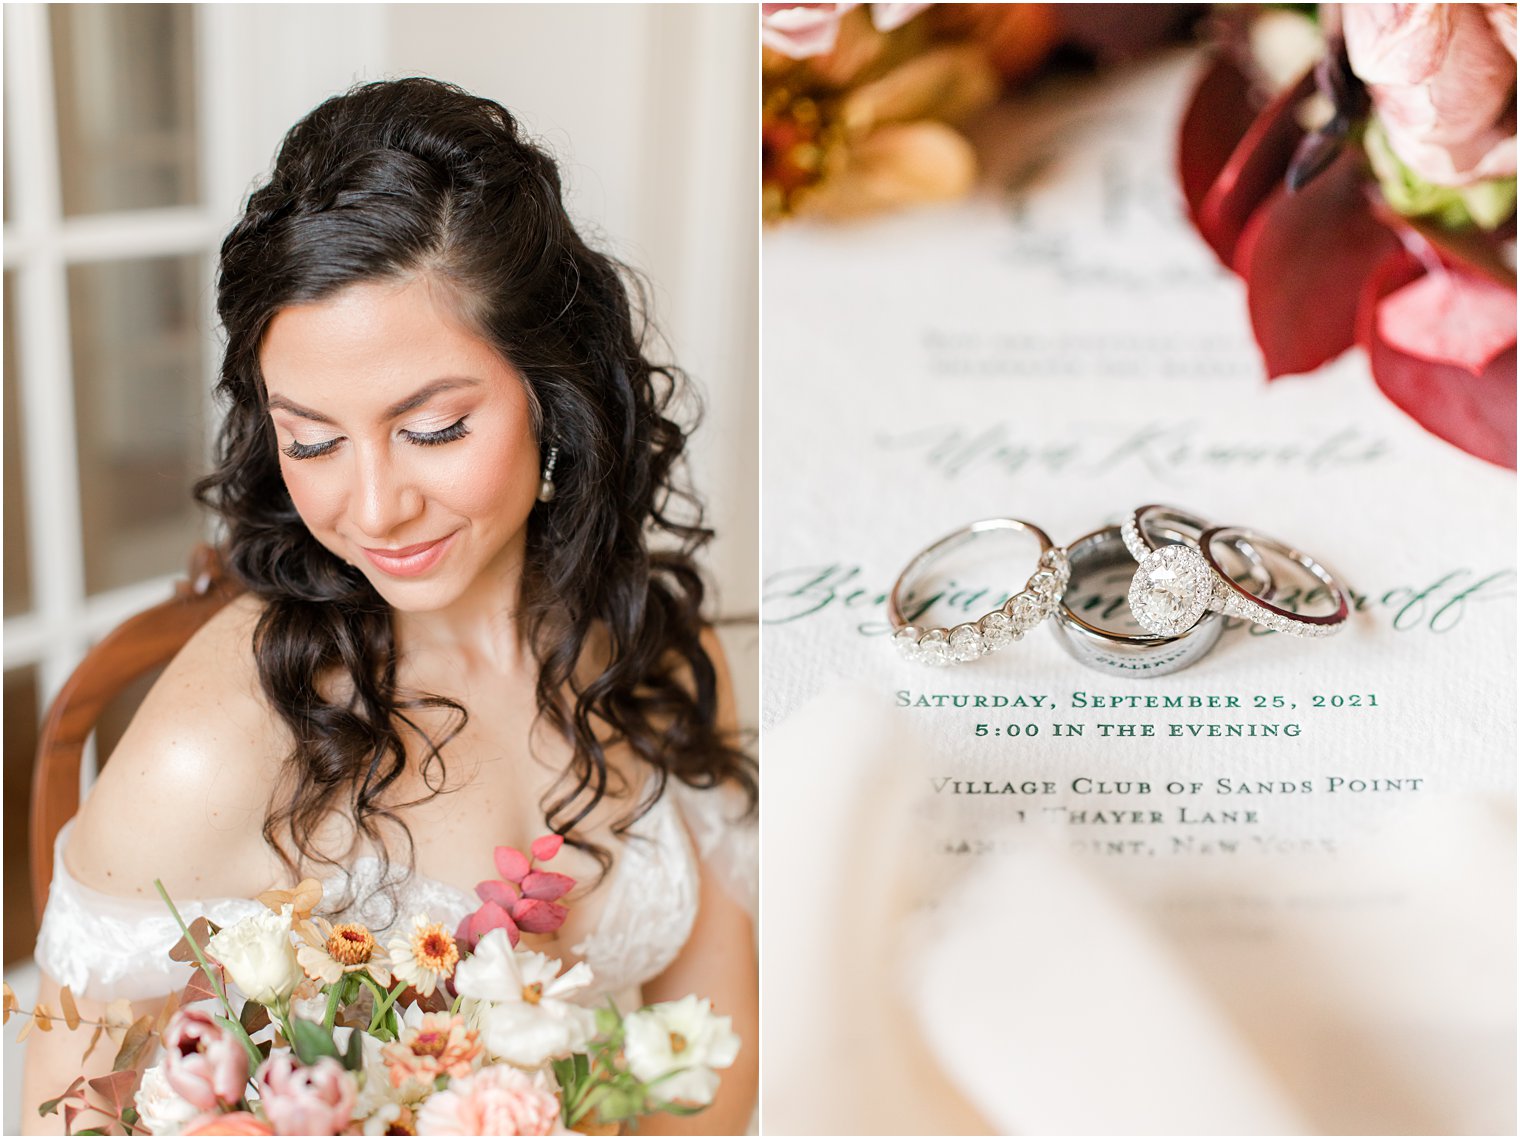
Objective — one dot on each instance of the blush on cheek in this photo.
(317, 505)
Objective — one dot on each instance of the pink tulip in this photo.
(203, 1062)
(1442, 79)
(316, 1099)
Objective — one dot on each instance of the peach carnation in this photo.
(440, 1046)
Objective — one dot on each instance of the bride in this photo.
(443, 462)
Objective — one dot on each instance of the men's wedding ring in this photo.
(1234, 600)
(1108, 650)
(932, 645)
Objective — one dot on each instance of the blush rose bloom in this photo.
(1442, 80)
(162, 1109)
(316, 1099)
(203, 1062)
(258, 952)
(494, 1101)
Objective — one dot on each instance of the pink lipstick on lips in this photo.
(409, 561)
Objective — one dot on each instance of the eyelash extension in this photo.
(309, 450)
(434, 438)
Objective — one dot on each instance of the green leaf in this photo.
(353, 1057)
(130, 1115)
(310, 1041)
(90, 1131)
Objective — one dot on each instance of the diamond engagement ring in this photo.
(998, 629)
(1232, 599)
(1139, 655)
(1174, 585)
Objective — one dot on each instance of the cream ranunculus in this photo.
(164, 1111)
(676, 1045)
(259, 955)
(520, 1003)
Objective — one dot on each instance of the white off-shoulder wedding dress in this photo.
(105, 947)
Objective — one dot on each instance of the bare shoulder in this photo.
(183, 795)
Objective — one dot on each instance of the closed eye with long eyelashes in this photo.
(448, 434)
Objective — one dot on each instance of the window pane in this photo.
(18, 572)
(20, 746)
(139, 381)
(126, 105)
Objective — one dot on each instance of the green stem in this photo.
(383, 1000)
(255, 1058)
(334, 994)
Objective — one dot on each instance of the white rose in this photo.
(520, 1004)
(257, 951)
(676, 1045)
(164, 1111)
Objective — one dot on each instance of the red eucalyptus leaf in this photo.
(1218, 114)
(1304, 258)
(547, 886)
(1255, 170)
(493, 890)
(1448, 316)
(547, 846)
(1476, 413)
(199, 989)
(511, 863)
(534, 916)
(117, 1088)
(462, 933)
(491, 916)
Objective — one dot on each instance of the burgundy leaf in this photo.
(1476, 413)
(494, 890)
(511, 863)
(1217, 117)
(535, 916)
(1304, 258)
(547, 886)
(491, 916)
(1255, 170)
(1471, 248)
(547, 846)
(462, 932)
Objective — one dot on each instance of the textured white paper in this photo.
(1062, 349)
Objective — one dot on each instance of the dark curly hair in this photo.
(414, 176)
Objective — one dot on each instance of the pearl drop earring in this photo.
(546, 484)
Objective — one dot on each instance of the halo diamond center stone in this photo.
(1170, 590)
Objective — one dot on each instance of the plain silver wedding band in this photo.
(969, 640)
(1137, 655)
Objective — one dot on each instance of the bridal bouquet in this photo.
(434, 1032)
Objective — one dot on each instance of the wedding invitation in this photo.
(1270, 893)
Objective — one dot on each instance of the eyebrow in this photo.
(415, 400)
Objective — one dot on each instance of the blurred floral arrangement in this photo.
(863, 103)
(289, 1025)
(1355, 165)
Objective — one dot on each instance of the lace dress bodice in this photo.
(104, 947)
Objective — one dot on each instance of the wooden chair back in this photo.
(135, 648)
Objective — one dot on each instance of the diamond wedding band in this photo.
(998, 629)
(1234, 600)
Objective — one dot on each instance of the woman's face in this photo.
(406, 441)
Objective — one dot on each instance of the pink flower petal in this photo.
(511, 863)
(1474, 412)
(801, 30)
(547, 846)
(1449, 317)
(547, 886)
